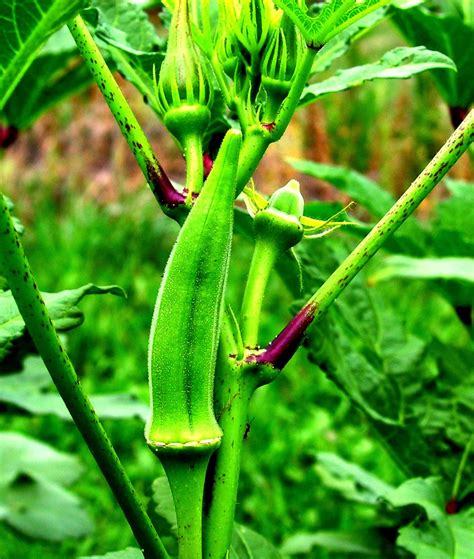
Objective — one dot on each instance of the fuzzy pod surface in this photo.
(186, 322)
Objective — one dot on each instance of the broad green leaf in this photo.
(398, 266)
(362, 190)
(409, 239)
(33, 390)
(349, 479)
(247, 544)
(129, 553)
(439, 536)
(33, 499)
(333, 17)
(451, 36)
(399, 63)
(25, 27)
(394, 359)
(132, 42)
(340, 44)
(166, 522)
(164, 502)
(57, 73)
(452, 231)
(452, 235)
(363, 543)
(62, 308)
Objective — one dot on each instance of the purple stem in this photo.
(457, 114)
(161, 186)
(284, 346)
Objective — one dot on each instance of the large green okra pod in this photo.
(182, 429)
(186, 322)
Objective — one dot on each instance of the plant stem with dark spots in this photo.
(15, 268)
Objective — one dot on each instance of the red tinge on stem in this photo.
(8, 135)
(162, 188)
(452, 506)
(207, 164)
(284, 346)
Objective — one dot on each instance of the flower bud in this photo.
(279, 222)
(279, 63)
(184, 88)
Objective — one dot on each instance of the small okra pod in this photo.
(277, 229)
(278, 225)
(187, 317)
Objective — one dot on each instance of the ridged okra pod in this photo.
(186, 321)
(182, 430)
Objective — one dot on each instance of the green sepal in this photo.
(278, 228)
(186, 121)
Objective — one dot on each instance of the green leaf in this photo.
(396, 361)
(452, 231)
(333, 17)
(398, 266)
(353, 482)
(25, 27)
(32, 494)
(33, 390)
(56, 73)
(340, 44)
(164, 502)
(410, 238)
(129, 553)
(439, 536)
(362, 190)
(399, 63)
(62, 308)
(132, 42)
(451, 36)
(247, 544)
(355, 542)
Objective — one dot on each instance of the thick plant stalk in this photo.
(282, 348)
(165, 193)
(233, 393)
(14, 266)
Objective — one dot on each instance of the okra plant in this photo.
(225, 85)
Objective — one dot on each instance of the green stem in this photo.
(442, 162)
(290, 104)
(263, 261)
(258, 138)
(186, 475)
(194, 166)
(233, 392)
(121, 111)
(461, 468)
(256, 142)
(15, 268)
